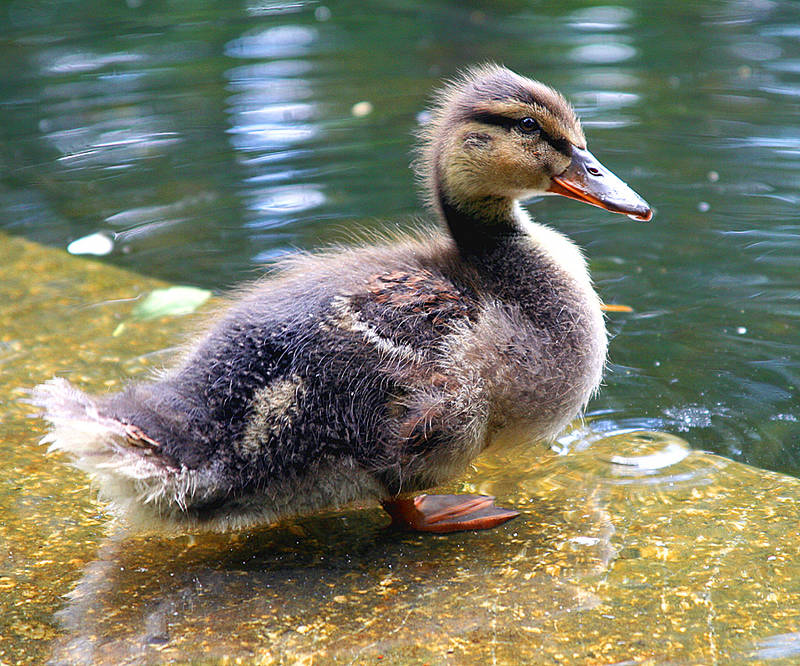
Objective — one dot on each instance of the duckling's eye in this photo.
(528, 125)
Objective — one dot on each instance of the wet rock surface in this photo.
(630, 548)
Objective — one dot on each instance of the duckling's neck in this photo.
(491, 228)
(478, 225)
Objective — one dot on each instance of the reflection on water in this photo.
(272, 116)
(603, 52)
(781, 646)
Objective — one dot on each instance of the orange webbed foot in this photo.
(446, 513)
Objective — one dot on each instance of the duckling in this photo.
(377, 372)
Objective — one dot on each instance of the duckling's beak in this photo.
(587, 180)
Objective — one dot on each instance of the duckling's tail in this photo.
(126, 464)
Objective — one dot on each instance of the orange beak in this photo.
(587, 180)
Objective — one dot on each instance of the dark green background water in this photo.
(208, 138)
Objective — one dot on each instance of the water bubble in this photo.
(361, 109)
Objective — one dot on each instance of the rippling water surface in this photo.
(206, 141)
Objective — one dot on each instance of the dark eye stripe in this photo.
(499, 120)
(495, 119)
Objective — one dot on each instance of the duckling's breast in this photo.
(539, 340)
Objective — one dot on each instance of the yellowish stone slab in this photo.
(631, 549)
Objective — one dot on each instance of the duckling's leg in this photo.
(446, 513)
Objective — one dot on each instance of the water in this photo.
(205, 141)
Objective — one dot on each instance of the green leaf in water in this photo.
(173, 301)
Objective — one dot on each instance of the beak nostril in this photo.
(594, 171)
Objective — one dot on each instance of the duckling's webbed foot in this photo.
(446, 513)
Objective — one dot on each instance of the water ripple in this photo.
(285, 41)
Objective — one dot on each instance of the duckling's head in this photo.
(497, 136)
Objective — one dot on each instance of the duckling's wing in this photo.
(412, 309)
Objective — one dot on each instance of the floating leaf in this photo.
(173, 301)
